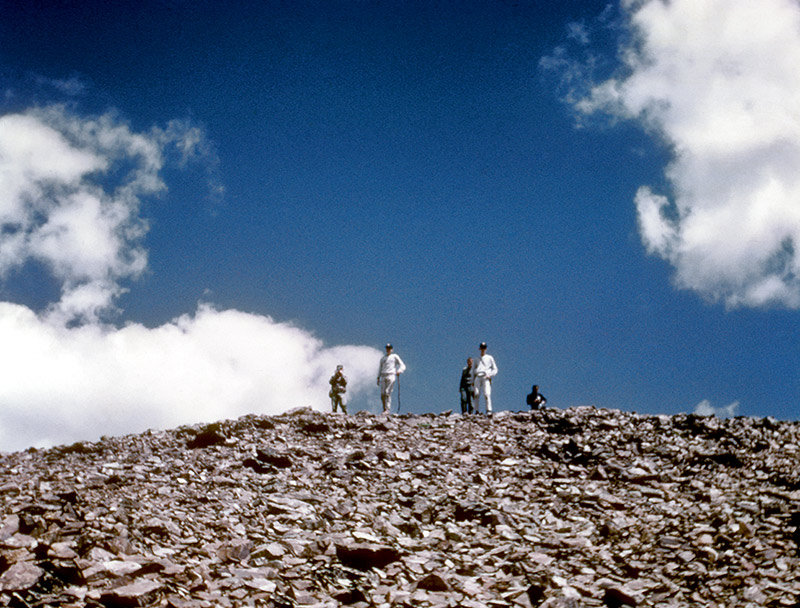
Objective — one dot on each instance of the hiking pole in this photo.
(398, 393)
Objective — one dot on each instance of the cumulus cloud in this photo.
(72, 189)
(719, 82)
(53, 208)
(704, 408)
(63, 384)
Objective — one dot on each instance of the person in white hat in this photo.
(390, 367)
(483, 371)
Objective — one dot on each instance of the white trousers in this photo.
(483, 386)
(387, 386)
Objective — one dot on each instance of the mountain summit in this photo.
(552, 508)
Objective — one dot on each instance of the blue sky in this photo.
(212, 205)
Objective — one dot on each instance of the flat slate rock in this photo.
(20, 576)
(545, 509)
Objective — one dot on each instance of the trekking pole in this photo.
(398, 393)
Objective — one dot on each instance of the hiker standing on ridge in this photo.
(390, 367)
(482, 373)
(466, 388)
(338, 389)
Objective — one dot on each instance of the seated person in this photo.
(536, 399)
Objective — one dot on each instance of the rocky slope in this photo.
(580, 507)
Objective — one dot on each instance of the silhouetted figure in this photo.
(466, 388)
(536, 399)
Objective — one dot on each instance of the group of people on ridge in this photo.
(476, 380)
(391, 366)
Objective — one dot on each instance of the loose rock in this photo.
(581, 507)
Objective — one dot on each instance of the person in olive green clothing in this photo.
(338, 389)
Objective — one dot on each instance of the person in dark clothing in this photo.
(536, 399)
(338, 389)
(466, 388)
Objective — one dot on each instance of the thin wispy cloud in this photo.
(71, 202)
(578, 32)
(718, 82)
(71, 87)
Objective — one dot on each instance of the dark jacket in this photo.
(338, 383)
(466, 379)
(536, 400)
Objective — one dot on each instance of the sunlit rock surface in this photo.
(580, 507)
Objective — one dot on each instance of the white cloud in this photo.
(719, 82)
(70, 200)
(704, 408)
(54, 210)
(63, 384)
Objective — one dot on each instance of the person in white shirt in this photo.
(483, 371)
(390, 367)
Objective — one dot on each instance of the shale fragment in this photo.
(580, 507)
